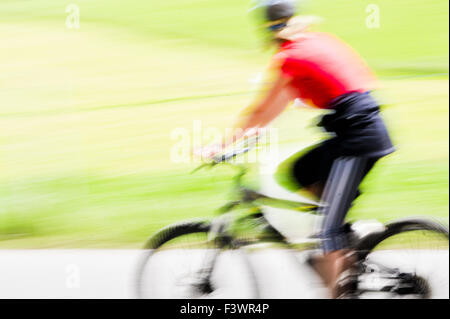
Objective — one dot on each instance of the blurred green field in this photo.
(86, 114)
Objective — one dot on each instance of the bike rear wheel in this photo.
(409, 259)
(181, 261)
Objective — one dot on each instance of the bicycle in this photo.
(200, 252)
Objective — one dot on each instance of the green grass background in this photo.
(86, 114)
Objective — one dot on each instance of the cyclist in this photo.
(326, 73)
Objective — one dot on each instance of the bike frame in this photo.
(248, 196)
(253, 203)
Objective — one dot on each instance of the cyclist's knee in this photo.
(334, 239)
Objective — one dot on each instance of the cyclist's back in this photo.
(322, 67)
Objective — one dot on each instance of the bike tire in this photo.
(160, 240)
(432, 247)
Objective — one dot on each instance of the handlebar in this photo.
(248, 145)
(230, 155)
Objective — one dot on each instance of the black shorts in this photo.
(357, 126)
(341, 163)
(358, 131)
(315, 166)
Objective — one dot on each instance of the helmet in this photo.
(274, 14)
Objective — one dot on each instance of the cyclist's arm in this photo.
(271, 102)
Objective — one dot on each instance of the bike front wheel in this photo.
(409, 259)
(182, 261)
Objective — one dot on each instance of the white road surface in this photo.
(110, 273)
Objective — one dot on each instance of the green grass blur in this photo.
(86, 114)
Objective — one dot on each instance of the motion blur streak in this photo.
(88, 106)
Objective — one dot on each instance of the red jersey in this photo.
(322, 67)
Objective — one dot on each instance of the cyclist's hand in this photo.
(208, 152)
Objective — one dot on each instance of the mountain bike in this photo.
(210, 258)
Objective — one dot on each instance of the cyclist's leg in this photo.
(306, 171)
(335, 179)
(311, 170)
(290, 174)
(340, 190)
